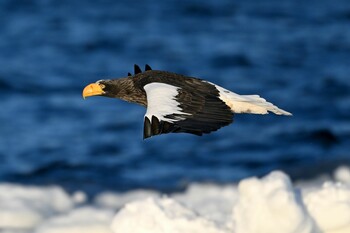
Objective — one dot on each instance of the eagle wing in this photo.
(185, 108)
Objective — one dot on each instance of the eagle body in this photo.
(180, 104)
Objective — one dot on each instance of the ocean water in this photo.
(295, 54)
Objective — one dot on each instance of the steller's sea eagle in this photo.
(180, 104)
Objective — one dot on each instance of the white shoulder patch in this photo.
(161, 101)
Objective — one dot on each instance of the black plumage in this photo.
(137, 69)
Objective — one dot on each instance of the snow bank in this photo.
(330, 207)
(117, 200)
(24, 207)
(270, 205)
(211, 201)
(158, 216)
(87, 220)
(342, 174)
(267, 205)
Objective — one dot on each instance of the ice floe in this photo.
(271, 204)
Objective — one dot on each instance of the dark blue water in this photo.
(296, 54)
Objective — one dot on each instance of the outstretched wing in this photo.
(173, 109)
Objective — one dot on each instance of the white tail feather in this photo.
(248, 103)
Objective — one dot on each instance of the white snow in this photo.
(330, 207)
(271, 204)
(87, 220)
(117, 200)
(160, 215)
(211, 201)
(342, 174)
(25, 207)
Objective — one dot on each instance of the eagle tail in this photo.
(248, 103)
(259, 105)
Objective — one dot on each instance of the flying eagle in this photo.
(180, 104)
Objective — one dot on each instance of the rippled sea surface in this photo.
(295, 54)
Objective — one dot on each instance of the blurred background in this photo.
(294, 53)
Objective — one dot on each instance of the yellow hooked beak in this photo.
(92, 89)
